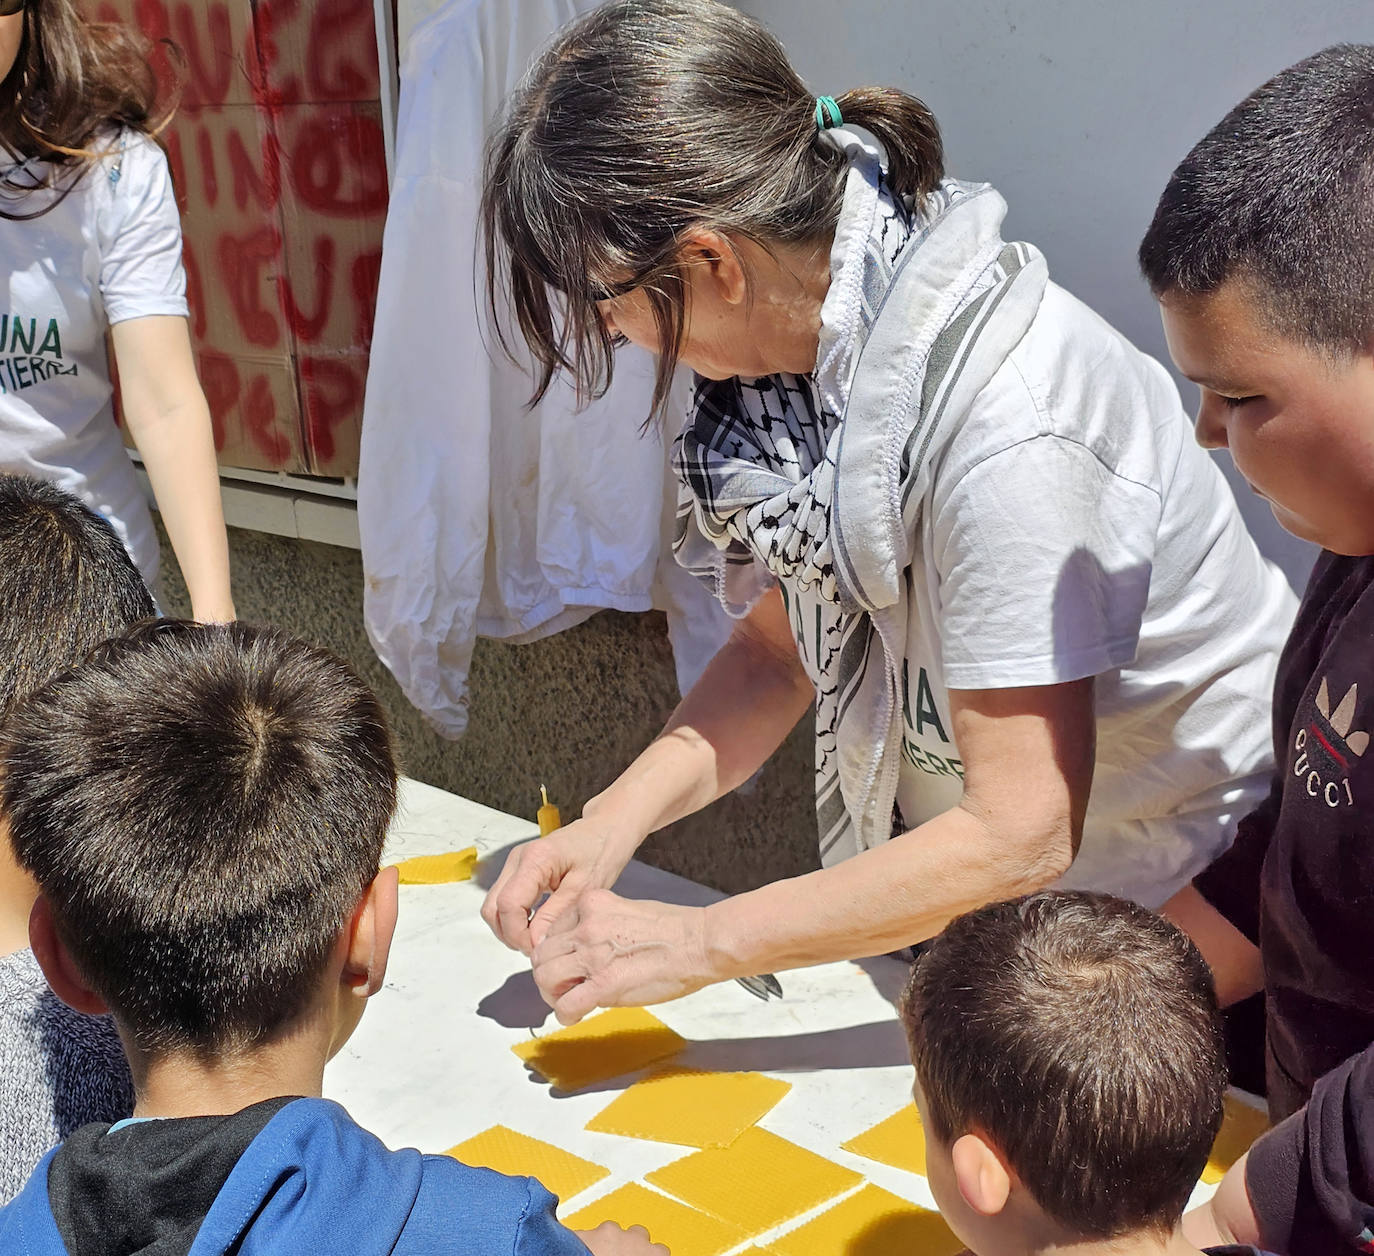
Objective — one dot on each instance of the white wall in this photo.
(1077, 110)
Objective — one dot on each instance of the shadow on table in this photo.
(517, 1004)
(924, 1232)
(489, 866)
(888, 975)
(879, 1045)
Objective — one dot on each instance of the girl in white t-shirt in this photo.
(953, 510)
(91, 247)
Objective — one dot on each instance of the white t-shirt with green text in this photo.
(109, 252)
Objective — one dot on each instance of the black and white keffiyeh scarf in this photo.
(815, 482)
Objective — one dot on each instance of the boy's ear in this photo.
(370, 934)
(983, 1179)
(711, 257)
(52, 956)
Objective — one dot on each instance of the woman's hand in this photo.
(748, 700)
(586, 855)
(608, 951)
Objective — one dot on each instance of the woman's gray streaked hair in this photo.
(644, 119)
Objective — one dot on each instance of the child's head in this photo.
(649, 142)
(1259, 253)
(1069, 1070)
(204, 808)
(66, 584)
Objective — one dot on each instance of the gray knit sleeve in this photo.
(59, 1070)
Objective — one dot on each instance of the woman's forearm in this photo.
(893, 896)
(1028, 761)
(749, 698)
(169, 420)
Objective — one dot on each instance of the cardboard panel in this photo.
(334, 201)
(255, 407)
(224, 163)
(318, 51)
(332, 389)
(215, 38)
(279, 161)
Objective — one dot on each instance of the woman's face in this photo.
(734, 325)
(717, 340)
(11, 35)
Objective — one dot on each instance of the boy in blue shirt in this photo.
(1261, 254)
(203, 809)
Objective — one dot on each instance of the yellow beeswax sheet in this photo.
(871, 1222)
(615, 1042)
(899, 1141)
(757, 1182)
(519, 1155)
(690, 1108)
(439, 869)
(682, 1230)
(1240, 1126)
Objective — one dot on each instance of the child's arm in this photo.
(1227, 1218)
(1232, 957)
(540, 1233)
(1307, 1187)
(609, 1239)
(1220, 910)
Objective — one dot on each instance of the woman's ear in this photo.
(52, 956)
(712, 259)
(983, 1179)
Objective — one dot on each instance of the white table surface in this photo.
(431, 1064)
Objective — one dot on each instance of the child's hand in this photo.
(609, 1239)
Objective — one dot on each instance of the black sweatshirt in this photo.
(1311, 1178)
(1299, 879)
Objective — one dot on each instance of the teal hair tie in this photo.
(828, 113)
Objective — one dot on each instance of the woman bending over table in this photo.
(951, 509)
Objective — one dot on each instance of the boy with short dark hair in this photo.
(204, 810)
(66, 584)
(1069, 1072)
(1261, 254)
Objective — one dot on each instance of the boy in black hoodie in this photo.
(203, 809)
(1261, 254)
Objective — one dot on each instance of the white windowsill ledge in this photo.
(284, 506)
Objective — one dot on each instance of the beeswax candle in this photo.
(548, 817)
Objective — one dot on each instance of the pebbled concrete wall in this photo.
(568, 712)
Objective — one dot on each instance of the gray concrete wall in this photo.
(569, 712)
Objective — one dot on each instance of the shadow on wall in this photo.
(569, 712)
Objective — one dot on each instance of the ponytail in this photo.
(908, 132)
